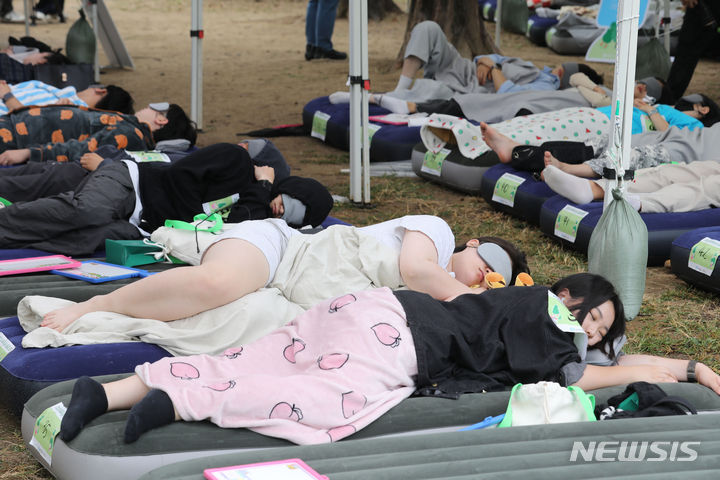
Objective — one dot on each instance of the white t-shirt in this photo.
(392, 232)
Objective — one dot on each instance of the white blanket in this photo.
(315, 267)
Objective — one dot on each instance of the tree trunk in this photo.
(459, 19)
(377, 9)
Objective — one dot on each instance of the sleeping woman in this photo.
(346, 361)
(246, 258)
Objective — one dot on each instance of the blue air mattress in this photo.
(663, 228)
(698, 267)
(487, 9)
(536, 28)
(331, 124)
(528, 196)
(25, 371)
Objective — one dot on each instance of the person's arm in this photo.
(596, 376)
(704, 374)
(8, 98)
(254, 203)
(658, 120)
(420, 271)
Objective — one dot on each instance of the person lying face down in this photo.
(246, 258)
(348, 360)
(125, 200)
(34, 92)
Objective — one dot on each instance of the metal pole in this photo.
(27, 17)
(365, 98)
(96, 29)
(498, 20)
(666, 24)
(356, 98)
(196, 74)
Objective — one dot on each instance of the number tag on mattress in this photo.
(567, 221)
(432, 162)
(372, 129)
(47, 426)
(319, 125)
(144, 157)
(6, 346)
(704, 255)
(506, 188)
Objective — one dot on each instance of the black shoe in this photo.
(309, 52)
(331, 54)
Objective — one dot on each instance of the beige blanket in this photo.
(315, 267)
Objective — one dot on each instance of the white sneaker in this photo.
(40, 16)
(13, 17)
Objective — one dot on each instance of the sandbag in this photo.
(80, 42)
(514, 16)
(618, 251)
(652, 60)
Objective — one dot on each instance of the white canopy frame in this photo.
(359, 110)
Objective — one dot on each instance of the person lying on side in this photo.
(345, 362)
(64, 133)
(246, 258)
(126, 200)
(35, 92)
(34, 180)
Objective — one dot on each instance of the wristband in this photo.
(691, 371)
(7, 96)
(652, 112)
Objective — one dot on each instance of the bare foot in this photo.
(550, 160)
(500, 144)
(62, 317)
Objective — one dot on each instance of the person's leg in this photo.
(428, 48)
(310, 29)
(445, 107)
(690, 46)
(230, 269)
(678, 187)
(325, 23)
(91, 399)
(35, 180)
(576, 189)
(501, 144)
(107, 196)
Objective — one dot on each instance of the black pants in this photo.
(531, 158)
(75, 222)
(35, 180)
(699, 36)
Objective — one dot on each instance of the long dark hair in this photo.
(594, 290)
(179, 125)
(517, 256)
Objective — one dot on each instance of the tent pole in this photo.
(666, 24)
(96, 30)
(359, 86)
(27, 17)
(498, 20)
(196, 74)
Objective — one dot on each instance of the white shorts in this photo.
(271, 236)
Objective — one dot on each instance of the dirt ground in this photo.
(255, 76)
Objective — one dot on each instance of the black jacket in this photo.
(485, 342)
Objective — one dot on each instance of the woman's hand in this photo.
(90, 161)
(13, 157)
(642, 105)
(705, 376)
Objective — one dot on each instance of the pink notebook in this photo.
(291, 469)
(36, 264)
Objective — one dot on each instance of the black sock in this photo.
(153, 411)
(88, 401)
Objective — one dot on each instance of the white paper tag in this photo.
(6, 347)
(47, 427)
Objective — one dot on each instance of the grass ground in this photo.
(255, 77)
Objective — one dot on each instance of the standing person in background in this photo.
(700, 35)
(319, 25)
(8, 15)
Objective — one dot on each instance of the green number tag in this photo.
(506, 188)
(566, 224)
(704, 255)
(432, 163)
(372, 129)
(218, 205)
(47, 426)
(319, 125)
(6, 347)
(144, 157)
(560, 314)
